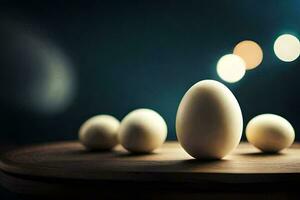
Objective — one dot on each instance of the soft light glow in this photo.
(231, 68)
(251, 53)
(41, 78)
(287, 48)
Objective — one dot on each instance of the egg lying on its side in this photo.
(209, 121)
(99, 132)
(142, 131)
(270, 133)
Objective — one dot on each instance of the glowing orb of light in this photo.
(231, 68)
(251, 53)
(35, 74)
(287, 47)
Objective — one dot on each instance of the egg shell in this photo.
(142, 131)
(270, 133)
(209, 121)
(99, 132)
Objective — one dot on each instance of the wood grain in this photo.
(69, 160)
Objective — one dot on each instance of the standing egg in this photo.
(209, 121)
(99, 132)
(270, 133)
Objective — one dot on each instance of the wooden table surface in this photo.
(69, 161)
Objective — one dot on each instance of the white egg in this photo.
(209, 121)
(270, 133)
(99, 132)
(142, 131)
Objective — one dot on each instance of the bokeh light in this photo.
(287, 48)
(55, 90)
(35, 74)
(251, 53)
(231, 68)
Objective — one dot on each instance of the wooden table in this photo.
(65, 169)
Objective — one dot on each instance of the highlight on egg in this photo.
(209, 121)
(270, 133)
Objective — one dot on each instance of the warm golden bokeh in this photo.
(251, 53)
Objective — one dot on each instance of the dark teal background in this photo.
(133, 54)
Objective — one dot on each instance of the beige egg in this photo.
(209, 121)
(99, 132)
(142, 131)
(270, 133)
